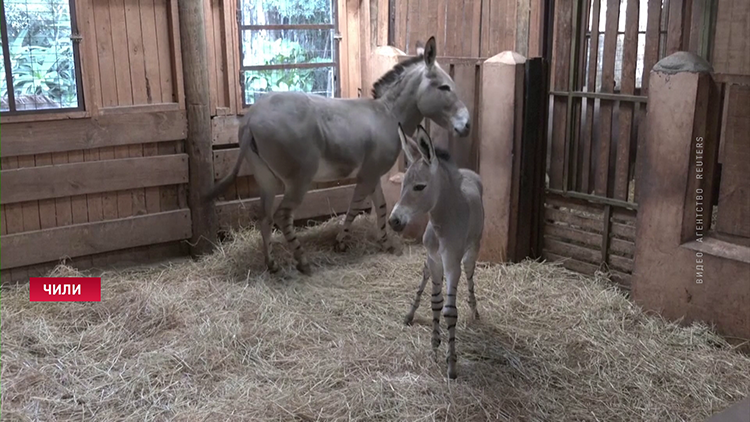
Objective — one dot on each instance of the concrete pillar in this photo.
(681, 269)
(501, 112)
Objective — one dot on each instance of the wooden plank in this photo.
(523, 14)
(627, 87)
(168, 194)
(30, 210)
(317, 203)
(140, 108)
(580, 206)
(601, 179)
(150, 51)
(402, 20)
(118, 30)
(675, 27)
(231, 52)
(164, 48)
(621, 263)
(176, 52)
(580, 253)
(622, 247)
(475, 26)
(198, 145)
(224, 160)
(85, 15)
(731, 51)
(651, 50)
(212, 54)
(139, 195)
(587, 126)
(343, 43)
(124, 197)
(63, 208)
(734, 191)
(96, 132)
(571, 263)
(353, 48)
(152, 193)
(364, 47)
(134, 37)
(78, 202)
(93, 201)
(412, 26)
(383, 22)
(47, 217)
(89, 238)
(623, 231)
(559, 81)
(224, 130)
(535, 28)
(105, 54)
(570, 234)
(573, 220)
(13, 213)
(462, 151)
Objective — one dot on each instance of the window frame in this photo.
(335, 62)
(76, 39)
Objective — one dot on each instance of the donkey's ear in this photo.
(420, 48)
(425, 145)
(430, 51)
(409, 147)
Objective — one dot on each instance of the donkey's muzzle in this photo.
(396, 224)
(464, 131)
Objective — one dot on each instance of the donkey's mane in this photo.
(392, 75)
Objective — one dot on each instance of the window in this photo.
(40, 58)
(288, 45)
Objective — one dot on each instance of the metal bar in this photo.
(336, 50)
(602, 96)
(594, 198)
(280, 27)
(288, 66)
(6, 61)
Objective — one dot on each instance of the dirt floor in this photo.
(221, 340)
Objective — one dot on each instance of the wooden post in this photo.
(198, 144)
(500, 127)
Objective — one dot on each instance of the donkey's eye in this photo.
(444, 88)
(419, 187)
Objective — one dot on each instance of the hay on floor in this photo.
(220, 339)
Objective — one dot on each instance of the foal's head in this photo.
(421, 186)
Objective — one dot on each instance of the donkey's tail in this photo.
(246, 141)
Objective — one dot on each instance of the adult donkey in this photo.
(301, 138)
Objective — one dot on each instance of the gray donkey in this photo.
(453, 198)
(301, 138)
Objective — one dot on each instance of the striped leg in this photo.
(356, 206)
(284, 219)
(470, 262)
(425, 276)
(378, 201)
(266, 207)
(436, 272)
(450, 311)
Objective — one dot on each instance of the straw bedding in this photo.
(220, 339)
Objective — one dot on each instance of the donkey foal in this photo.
(453, 198)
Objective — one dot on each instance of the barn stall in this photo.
(103, 167)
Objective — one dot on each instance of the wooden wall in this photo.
(99, 186)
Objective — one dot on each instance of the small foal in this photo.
(453, 198)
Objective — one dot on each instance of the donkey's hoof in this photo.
(408, 319)
(475, 316)
(272, 266)
(452, 373)
(340, 246)
(304, 268)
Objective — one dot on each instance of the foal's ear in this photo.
(430, 51)
(425, 145)
(409, 147)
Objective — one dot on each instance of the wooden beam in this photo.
(224, 130)
(195, 74)
(49, 245)
(317, 203)
(102, 131)
(62, 180)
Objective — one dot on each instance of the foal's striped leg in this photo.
(470, 262)
(425, 276)
(378, 202)
(450, 311)
(436, 272)
(357, 205)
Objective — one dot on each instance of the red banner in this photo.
(65, 289)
